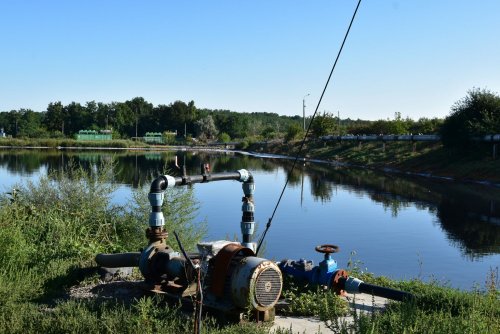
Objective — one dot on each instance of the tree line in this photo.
(477, 113)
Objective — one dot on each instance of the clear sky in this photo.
(416, 57)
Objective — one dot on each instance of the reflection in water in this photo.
(468, 214)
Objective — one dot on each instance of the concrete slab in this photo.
(361, 303)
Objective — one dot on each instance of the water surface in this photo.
(396, 226)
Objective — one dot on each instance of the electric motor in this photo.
(256, 282)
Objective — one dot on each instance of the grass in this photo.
(436, 309)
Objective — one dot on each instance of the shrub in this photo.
(293, 132)
(224, 137)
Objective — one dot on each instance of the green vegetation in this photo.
(436, 309)
(478, 113)
(475, 115)
(312, 301)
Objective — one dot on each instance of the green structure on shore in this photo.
(94, 135)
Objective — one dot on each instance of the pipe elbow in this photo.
(245, 176)
(159, 184)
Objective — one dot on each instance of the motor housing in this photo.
(256, 282)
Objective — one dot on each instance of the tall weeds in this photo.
(52, 228)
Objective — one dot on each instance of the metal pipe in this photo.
(385, 292)
(355, 285)
(118, 260)
(163, 182)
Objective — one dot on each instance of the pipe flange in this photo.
(338, 282)
(156, 234)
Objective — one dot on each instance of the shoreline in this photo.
(381, 169)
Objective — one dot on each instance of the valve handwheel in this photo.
(327, 249)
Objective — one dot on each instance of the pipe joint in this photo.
(245, 175)
(248, 207)
(248, 188)
(247, 228)
(156, 199)
(156, 219)
(352, 284)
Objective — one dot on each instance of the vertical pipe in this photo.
(247, 219)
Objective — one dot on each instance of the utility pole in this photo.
(304, 111)
(338, 116)
(137, 112)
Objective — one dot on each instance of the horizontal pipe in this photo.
(493, 138)
(163, 181)
(208, 178)
(384, 292)
(118, 260)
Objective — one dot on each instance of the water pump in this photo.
(231, 279)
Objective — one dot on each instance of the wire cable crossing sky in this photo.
(412, 57)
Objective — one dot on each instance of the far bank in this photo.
(428, 159)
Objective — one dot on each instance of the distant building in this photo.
(153, 137)
(2, 133)
(94, 135)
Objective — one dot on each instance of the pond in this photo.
(392, 225)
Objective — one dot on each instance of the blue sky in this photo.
(416, 57)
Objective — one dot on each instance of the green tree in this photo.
(478, 113)
(105, 115)
(141, 113)
(30, 124)
(206, 129)
(324, 124)
(54, 117)
(124, 119)
(75, 118)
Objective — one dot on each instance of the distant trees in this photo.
(478, 113)
(22, 123)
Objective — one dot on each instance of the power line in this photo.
(269, 222)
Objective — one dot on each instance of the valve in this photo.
(327, 249)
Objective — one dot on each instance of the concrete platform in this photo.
(362, 303)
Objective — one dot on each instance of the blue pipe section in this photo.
(306, 271)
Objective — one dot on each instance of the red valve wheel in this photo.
(327, 249)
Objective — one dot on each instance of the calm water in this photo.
(399, 227)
